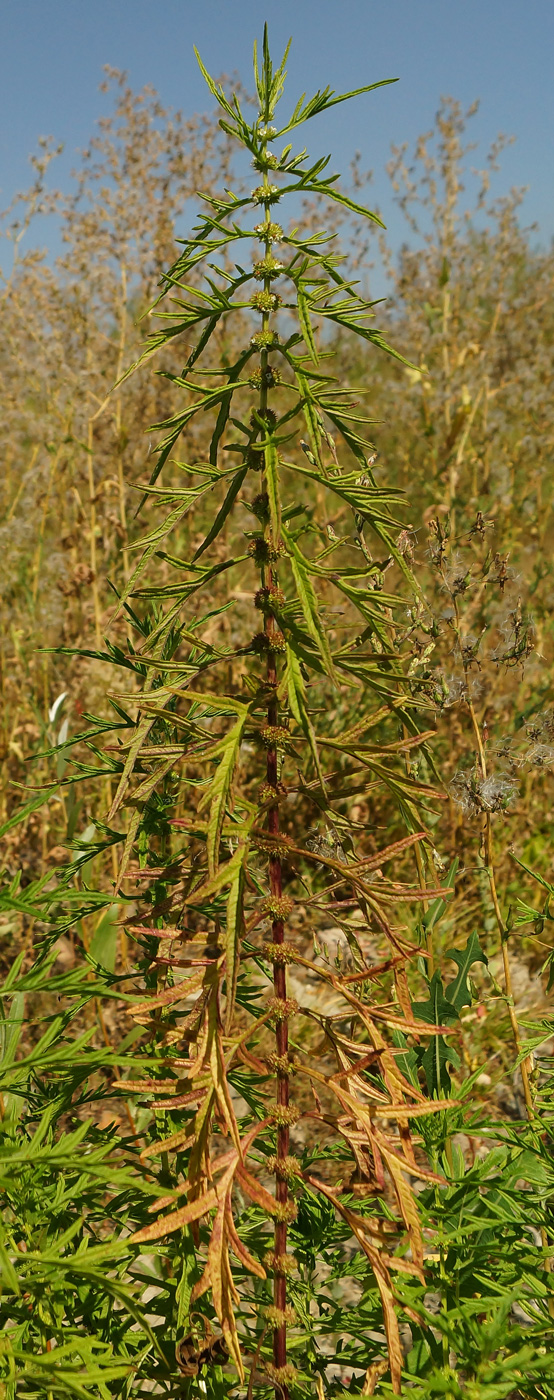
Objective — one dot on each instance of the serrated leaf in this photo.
(305, 322)
(296, 695)
(308, 602)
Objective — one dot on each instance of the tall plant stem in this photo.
(118, 433)
(489, 866)
(93, 527)
(277, 926)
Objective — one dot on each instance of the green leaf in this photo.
(296, 694)
(103, 948)
(308, 602)
(305, 322)
(216, 796)
(438, 1055)
(222, 513)
(38, 800)
(458, 992)
(323, 100)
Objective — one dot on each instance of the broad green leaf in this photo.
(438, 1012)
(458, 992)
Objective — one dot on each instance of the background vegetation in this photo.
(469, 438)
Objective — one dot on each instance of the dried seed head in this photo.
(474, 794)
(541, 756)
(496, 792)
(455, 688)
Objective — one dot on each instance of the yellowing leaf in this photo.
(176, 1220)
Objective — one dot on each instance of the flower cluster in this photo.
(281, 1317)
(264, 340)
(265, 194)
(269, 641)
(268, 230)
(287, 1168)
(274, 735)
(267, 267)
(266, 378)
(282, 1008)
(266, 599)
(265, 301)
(267, 793)
(278, 908)
(283, 953)
(281, 1264)
(284, 1116)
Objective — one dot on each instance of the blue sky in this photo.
(52, 53)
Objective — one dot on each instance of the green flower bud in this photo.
(266, 301)
(267, 267)
(265, 194)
